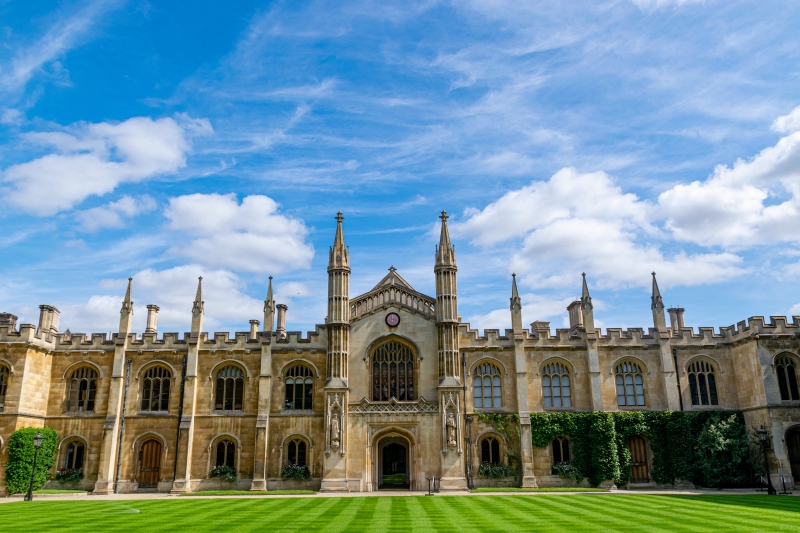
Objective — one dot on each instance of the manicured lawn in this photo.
(583, 512)
(550, 489)
(246, 492)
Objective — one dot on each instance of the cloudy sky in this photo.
(168, 140)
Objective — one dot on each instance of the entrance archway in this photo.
(150, 464)
(393, 462)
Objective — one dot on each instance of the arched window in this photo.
(703, 383)
(490, 450)
(786, 367)
(630, 384)
(226, 453)
(561, 452)
(296, 453)
(155, 389)
(82, 389)
(73, 457)
(3, 385)
(486, 386)
(299, 387)
(555, 386)
(392, 372)
(230, 386)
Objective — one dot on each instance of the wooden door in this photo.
(639, 471)
(793, 443)
(150, 463)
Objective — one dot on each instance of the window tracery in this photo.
(487, 387)
(299, 388)
(786, 368)
(155, 389)
(630, 384)
(556, 386)
(703, 383)
(296, 452)
(82, 389)
(226, 453)
(230, 389)
(74, 455)
(490, 450)
(393, 372)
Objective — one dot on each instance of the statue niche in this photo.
(393, 372)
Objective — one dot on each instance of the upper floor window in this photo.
(486, 386)
(226, 453)
(299, 388)
(73, 458)
(490, 450)
(155, 389)
(703, 383)
(3, 385)
(786, 367)
(82, 389)
(230, 389)
(630, 384)
(392, 372)
(297, 452)
(555, 386)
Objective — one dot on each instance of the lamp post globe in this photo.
(762, 436)
(37, 443)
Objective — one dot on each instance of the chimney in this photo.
(281, 329)
(575, 315)
(676, 318)
(254, 329)
(48, 318)
(152, 318)
(8, 320)
(541, 328)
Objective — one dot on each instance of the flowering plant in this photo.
(298, 472)
(69, 475)
(566, 471)
(226, 473)
(495, 470)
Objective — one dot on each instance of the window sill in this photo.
(228, 412)
(154, 413)
(559, 409)
(632, 408)
(78, 413)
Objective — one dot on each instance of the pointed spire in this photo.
(445, 252)
(587, 309)
(586, 300)
(198, 308)
(126, 313)
(127, 303)
(655, 300)
(269, 308)
(339, 254)
(515, 299)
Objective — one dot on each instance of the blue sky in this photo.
(165, 140)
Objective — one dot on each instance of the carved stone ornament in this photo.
(451, 430)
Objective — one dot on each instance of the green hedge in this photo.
(20, 459)
(707, 447)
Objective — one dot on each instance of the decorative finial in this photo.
(339, 217)
(270, 278)
(444, 216)
(392, 269)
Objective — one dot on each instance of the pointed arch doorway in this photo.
(393, 461)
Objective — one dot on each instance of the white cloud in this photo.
(252, 236)
(112, 214)
(788, 123)
(92, 159)
(534, 307)
(795, 310)
(651, 5)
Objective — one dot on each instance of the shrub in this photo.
(20, 459)
(495, 470)
(69, 475)
(298, 472)
(567, 471)
(723, 453)
(225, 473)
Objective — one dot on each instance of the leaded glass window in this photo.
(299, 387)
(155, 389)
(230, 389)
(82, 389)
(392, 372)
(703, 383)
(630, 384)
(786, 368)
(556, 387)
(486, 385)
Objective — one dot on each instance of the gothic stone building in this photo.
(379, 396)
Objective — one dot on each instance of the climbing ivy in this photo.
(599, 443)
(508, 426)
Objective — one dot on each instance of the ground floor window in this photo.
(297, 452)
(73, 459)
(226, 453)
(490, 450)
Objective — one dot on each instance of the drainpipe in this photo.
(677, 377)
(122, 422)
(180, 415)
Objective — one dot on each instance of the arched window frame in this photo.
(556, 385)
(225, 452)
(299, 388)
(487, 386)
(560, 452)
(629, 381)
(82, 389)
(5, 375)
(701, 375)
(393, 371)
(229, 388)
(490, 449)
(155, 389)
(298, 451)
(786, 366)
(74, 455)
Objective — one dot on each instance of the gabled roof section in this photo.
(393, 278)
(392, 290)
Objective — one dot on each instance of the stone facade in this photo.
(382, 391)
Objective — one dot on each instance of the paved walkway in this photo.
(382, 493)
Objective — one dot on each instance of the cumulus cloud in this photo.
(788, 123)
(252, 236)
(534, 307)
(93, 159)
(113, 214)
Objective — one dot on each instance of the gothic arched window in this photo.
(561, 452)
(556, 386)
(230, 388)
(3, 385)
(490, 450)
(630, 384)
(299, 387)
(296, 453)
(486, 386)
(393, 372)
(226, 453)
(74, 455)
(703, 383)
(786, 367)
(155, 389)
(82, 389)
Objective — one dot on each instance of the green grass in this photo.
(394, 479)
(580, 513)
(247, 492)
(59, 491)
(545, 489)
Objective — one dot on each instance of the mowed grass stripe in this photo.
(607, 513)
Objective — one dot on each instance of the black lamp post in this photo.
(37, 442)
(762, 436)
